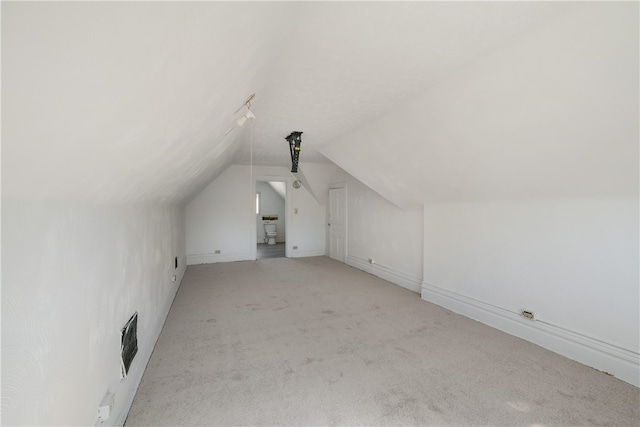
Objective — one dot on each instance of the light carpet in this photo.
(311, 341)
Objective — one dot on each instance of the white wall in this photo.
(307, 228)
(270, 204)
(72, 276)
(222, 217)
(378, 230)
(573, 262)
(526, 163)
(570, 261)
(219, 218)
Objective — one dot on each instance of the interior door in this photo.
(337, 224)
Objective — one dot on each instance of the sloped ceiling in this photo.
(279, 187)
(131, 101)
(128, 101)
(554, 116)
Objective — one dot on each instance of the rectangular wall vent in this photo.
(128, 343)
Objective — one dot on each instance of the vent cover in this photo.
(128, 343)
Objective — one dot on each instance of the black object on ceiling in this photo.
(294, 139)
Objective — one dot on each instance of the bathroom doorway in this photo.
(271, 219)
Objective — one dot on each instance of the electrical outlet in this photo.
(217, 251)
(174, 278)
(104, 411)
(371, 261)
(527, 314)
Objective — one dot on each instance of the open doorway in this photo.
(270, 199)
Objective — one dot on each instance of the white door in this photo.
(337, 224)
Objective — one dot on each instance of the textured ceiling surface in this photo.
(555, 116)
(131, 101)
(346, 63)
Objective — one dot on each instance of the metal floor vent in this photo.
(128, 344)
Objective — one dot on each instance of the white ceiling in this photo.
(131, 101)
(346, 63)
(553, 115)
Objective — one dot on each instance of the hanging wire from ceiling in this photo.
(251, 183)
(240, 121)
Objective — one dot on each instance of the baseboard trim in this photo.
(304, 254)
(140, 365)
(389, 274)
(195, 259)
(622, 363)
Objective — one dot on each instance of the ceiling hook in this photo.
(248, 101)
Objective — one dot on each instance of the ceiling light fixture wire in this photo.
(251, 183)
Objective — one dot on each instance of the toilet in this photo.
(270, 233)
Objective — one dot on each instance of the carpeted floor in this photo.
(311, 341)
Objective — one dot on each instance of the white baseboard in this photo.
(129, 386)
(622, 363)
(389, 274)
(195, 259)
(303, 254)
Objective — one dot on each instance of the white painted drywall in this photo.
(219, 218)
(72, 275)
(222, 217)
(380, 231)
(318, 177)
(308, 224)
(573, 262)
(271, 204)
(527, 164)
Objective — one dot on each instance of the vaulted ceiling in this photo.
(118, 102)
